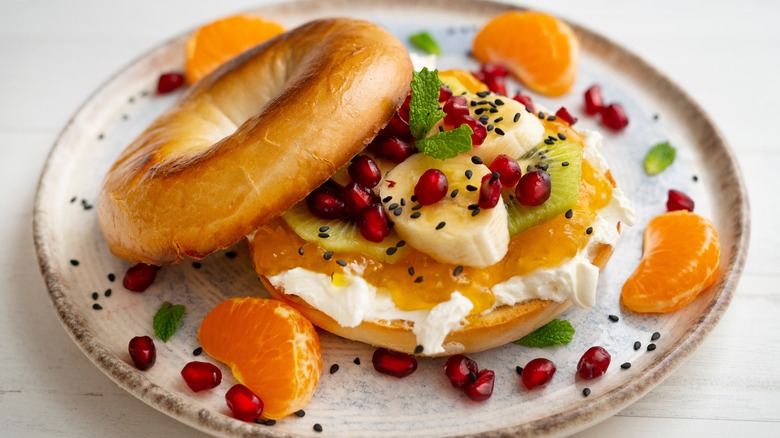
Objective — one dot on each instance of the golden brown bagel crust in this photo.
(250, 140)
(483, 331)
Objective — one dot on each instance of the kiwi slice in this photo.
(342, 235)
(563, 161)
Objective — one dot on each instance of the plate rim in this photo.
(571, 421)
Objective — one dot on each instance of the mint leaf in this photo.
(659, 158)
(555, 332)
(424, 109)
(446, 144)
(167, 320)
(425, 42)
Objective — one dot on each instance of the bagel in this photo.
(251, 139)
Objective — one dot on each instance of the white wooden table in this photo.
(54, 54)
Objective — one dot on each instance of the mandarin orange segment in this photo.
(271, 348)
(540, 50)
(216, 43)
(680, 259)
(461, 80)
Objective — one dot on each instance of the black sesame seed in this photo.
(614, 318)
(131, 99)
(498, 119)
(458, 270)
(342, 262)
(472, 206)
(300, 251)
(111, 277)
(626, 365)
(410, 270)
(695, 178)
(101, 136)
(493, 110)
(454, 193)
(519, 370)
(392, 206)
(489, 128)
(472, 377)
(392, 250)
(637, 345)
(551, 138)
(479, 111)
(650, 347)
(499, 131)
(125, 117)
(561, 136)
(144, 93)
(270, 422)
(324, 228)
(197, 351)
(323, 235)
(387, 199)
(74, 262)
(655, 116)
(230, 254)
(419, 279)
(107, 293)
(548, 141)
(483, 119)
(415, 215)
(483, 102)
(400, 243)
(440, 225)
(483, 93)
(475, 212)
(565, 164)
(469, 174)
(589, 230)
(418, 349)
(95, 295)
(551, 118)
(544, 167)
(97, 306)
(86, 205)
(656, 336)
(499, 102)
(398, 211)
(586, 392)
(196, 265)
(494, 175)
(413, 198)
(300, 413)
(317, 427)
(417, 207)
(259, 421)
(528, 110)
(516, 118)
(328, 255)
(541, 115)
(569, 214)
(73, 199)
(334, 368)
(476, 160)
(471, 188)
(403, 202)
(473, 103)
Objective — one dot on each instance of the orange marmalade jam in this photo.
(419, 282)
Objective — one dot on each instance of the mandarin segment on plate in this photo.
(217, 42)
(271, 348)
(680, 259)
(538, 49)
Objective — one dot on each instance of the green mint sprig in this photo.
(167, 320)
(424, 110)
(659, 158)
(446, 144)
(425, 42)
(555, 332)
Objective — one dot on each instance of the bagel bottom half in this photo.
(482, 332)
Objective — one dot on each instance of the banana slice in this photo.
(514, 130)
(451, 230)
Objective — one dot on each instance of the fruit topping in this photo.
(489, 191)
(373, 223)
(593, 100)
(526, 100)
(613, 116)
(454, 107)
(534, 188)
(680, 260)
(565, 115)
(243, 403)
(678, 201)
(357, 197)
(139, 277)
(593, 363)
(481, 388)
(169, 82)
(459, 369)
(364, 171)
(395, 149)
(509, 171)
(201, 375)
(326, 202)
(142, 352)
(537, 373)
(394, 363)
(431, 187)
(444, 93)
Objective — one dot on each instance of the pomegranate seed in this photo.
(490, 69)
(482, 388)
(444, 93)
(201, 375)
(508, 170)
(614, 117)
(480, 75)
(458, 368)
(593, 363)
(525, 100)
(496, 84)
(537, 373)
(565, 115)
(396, 127)
(479, 130)
(143, 352)
(593, 101)
(395, 149)
(139, 277)
(403, 111)
(373, 223)
(364, 171)
(245, 405)
(431, 187)
(678, 201)
(455, 107)
(357, 197)
(533, 189)
(169, 82)
(326, 202)
(393, 363)
(490, 191)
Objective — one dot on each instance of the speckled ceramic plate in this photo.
(356, 401)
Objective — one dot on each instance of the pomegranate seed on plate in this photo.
(534, 188)
(454, 107)
(243, 403)
(565, 115)
(593, 363)
(491, 69)
(373, 223)
(458, 368)
(489, 191)
(678, 201)
(593, 101)
(139, 277)
(201, 375)
(364, 171)
(142, 352)
(496, 85)
(444, 93)
(393, 363)
(482, 387)
(169, 82)
(431, 187)
(395, 149)
(614, 117)
(479, 130)
(525, 100)
(508, 170)
(326, 202)
(357, 197)
(537, 373)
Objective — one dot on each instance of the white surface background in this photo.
(53, 55)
